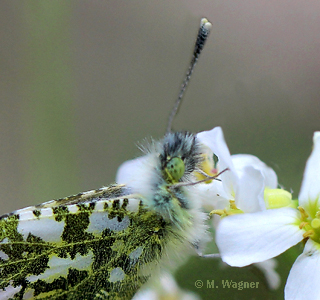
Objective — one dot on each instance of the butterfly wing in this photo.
(89, 246)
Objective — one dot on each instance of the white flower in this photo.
(249, 238)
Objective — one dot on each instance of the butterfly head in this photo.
(179, 156)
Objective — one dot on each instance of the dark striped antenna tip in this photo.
(203, 33)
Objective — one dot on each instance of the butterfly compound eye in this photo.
(175, 169)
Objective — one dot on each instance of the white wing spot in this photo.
(47, 229)
(60, 266)
(21, 210)
(100, 221)
(9, 292)
(116, 274)
(135, 254)
(73, 209)
(99, 206)
(4, 255)
(26, 215)
(46, 212)
(133, 204)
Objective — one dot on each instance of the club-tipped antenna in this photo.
(203, 33)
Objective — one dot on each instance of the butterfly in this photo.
(106, 243)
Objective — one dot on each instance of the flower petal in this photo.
(213, 195)
(304, 277)
(241, 161)
(310, 189)
(214, 139)
(249, 195)
(250, 238)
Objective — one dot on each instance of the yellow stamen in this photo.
(303, 213)
(308, 234)
(302, 224)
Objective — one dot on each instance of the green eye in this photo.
(175, 169)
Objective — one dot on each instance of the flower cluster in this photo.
(262, 221)
(268, 233)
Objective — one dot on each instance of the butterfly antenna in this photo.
(203, 33)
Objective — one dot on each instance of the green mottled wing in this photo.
(94, 245)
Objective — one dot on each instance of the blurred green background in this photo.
(83, 81)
